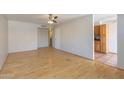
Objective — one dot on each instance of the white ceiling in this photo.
(41, 18)
(104, 18)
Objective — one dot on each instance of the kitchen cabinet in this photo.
(101, 38)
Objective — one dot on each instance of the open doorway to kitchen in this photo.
(105, 38)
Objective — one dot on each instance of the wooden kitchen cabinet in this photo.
(97, 46)
(104, 38)
(101, 38)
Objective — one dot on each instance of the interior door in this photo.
(42, 38)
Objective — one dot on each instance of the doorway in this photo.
(105, 39)
(42, 37)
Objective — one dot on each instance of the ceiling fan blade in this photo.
(54, 21)
(52, 18)
(55, 17)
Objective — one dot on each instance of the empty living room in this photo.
(52, 46)
(61, 46)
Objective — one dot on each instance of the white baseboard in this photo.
(120, 67)
(4, 60)
(74, 54)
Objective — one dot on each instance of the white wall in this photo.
(57, 38)
(112, 37)
(22, 36)
(3, 39)
(76, 36)
(42, 38)
(121, 40)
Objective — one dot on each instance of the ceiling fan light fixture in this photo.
(50, 22)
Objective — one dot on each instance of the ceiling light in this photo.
(50, 22)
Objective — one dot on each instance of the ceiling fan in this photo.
(52, 19)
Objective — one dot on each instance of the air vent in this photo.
(44, 26)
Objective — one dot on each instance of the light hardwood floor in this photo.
(49, 63)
